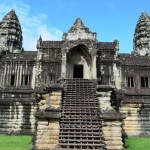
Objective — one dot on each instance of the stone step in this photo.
(79, 119)
(78, 135)
(83, 144)
(80, 126)
(82, 140)
(79, 106)
(81, 148)
(76, 121)
(92, 133)
(77, 95)
(79, 113)
(84, 104)
(81, 98)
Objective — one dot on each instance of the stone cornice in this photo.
(54, 114)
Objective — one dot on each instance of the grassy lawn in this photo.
(15, 142)
(137, 143)
(24, 142)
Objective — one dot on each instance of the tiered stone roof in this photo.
(10, 33)
(134, 60)
(142, 35)
(26, 56)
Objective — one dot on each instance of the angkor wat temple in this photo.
(77, 93)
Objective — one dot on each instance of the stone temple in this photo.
(77, 93)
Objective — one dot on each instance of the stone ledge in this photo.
(56, 86)
(19, 100)
(133, 101)
(104, 87)
(51, 87)
(16, 90)
(112, 115)
(50, 114)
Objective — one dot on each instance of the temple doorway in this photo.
(78, 63)
(78, 71)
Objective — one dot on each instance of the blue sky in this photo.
(111, 19)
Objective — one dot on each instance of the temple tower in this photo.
(142, 36)
(10, 34)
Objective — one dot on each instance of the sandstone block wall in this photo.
(17, 117)
(131, 125)
(113, 134)
(47, 127)
(137, 122)
(52, 100)
(144, 115)
(47, 135)
(112, 124)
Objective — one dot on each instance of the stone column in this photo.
(6, 77)
(93, 65)
(4, 74)
(63, 66)
(17, 74)
(20, 73)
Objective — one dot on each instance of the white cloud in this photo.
(32, 25)
(47, 34)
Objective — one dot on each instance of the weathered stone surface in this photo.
(24, 75)
(48, 115)
(137, 122)
(17, 118)
(79, 32)
(141, 36)
(112, 119)
(113, 134)
(52, 100)
(10, 34)
(47, 135)
(47, 127)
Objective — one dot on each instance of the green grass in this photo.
(137, 143)
(24, 142)
(15, 142)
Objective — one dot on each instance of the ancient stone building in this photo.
(77, 93)
(135, 70)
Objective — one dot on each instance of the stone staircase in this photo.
(80, 126)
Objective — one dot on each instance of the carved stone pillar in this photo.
(93, 65)
(63, 66)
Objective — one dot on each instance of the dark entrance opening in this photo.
(78, 71)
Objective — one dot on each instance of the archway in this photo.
(79, 62)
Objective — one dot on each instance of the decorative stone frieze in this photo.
(79, 32)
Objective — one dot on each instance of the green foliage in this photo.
(137, 143)
(15, 142)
